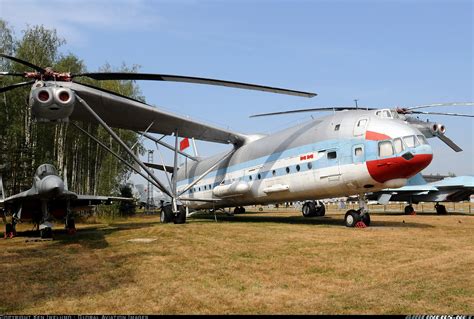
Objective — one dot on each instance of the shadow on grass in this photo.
(299, 220)
(92, 237)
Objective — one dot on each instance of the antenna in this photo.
(357, 106)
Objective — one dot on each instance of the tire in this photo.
(242, 210)
(351, 218)
(409, 210)
(8, 230)
(46, 233)
(309, 209)
(70, 223)
(181, 217)
(441, 209)
(166, 214)
(366, 219)
(320, 211)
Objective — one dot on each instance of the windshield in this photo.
(45, 170)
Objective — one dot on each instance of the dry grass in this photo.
(264, 263)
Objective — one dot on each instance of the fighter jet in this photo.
(452, 189)
(47, 198)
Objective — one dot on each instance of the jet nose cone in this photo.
(52, 186)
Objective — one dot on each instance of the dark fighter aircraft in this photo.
(48, 198)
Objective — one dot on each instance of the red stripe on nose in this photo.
(386, 169)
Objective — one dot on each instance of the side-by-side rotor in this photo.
(48, 74)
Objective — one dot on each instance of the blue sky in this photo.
(383, 53)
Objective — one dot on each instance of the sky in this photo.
(383, 53)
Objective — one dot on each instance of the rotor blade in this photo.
(318, 109)
(14, 86)
(189, 79)
(441, 104)
(440, 113)
(37, 68)
(12, 74)
(449, 142)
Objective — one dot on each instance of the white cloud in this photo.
(73, 19)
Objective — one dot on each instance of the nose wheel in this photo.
(355, 218)
(358, 218)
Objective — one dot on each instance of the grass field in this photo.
(255, 263)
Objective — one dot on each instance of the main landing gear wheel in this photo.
(440, 209)
(239, 210)
(310, 209)
(70, 226)
(166, 215)
(409, 210)
(9, 231)
(180, 217)
(46, 232)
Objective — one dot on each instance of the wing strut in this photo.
(127, 149)
(116, 155)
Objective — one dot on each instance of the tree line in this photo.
(26, 144)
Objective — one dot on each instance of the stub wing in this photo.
(122, 112)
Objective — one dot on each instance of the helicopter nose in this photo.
(51, 186)
(405, 166)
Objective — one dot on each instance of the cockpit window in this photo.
(395, 114)
(385, 148)
(422, 139)
(45, 170)
(411, 141)
(384, 114)
(398, 145)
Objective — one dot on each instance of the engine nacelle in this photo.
(51, 103)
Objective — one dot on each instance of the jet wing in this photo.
(90, 200)
(20, 197)
(126, 113)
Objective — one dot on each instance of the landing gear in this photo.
(312, 209)
(355, 218)
(239, 210)
(358, 218)
(9, 231)
(440, 209)
(70, 226)
(409, 210)
(167, 215)
(46, 233)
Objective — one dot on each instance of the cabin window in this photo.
(210, 187)
(332, 155)
(199, 188)
(287, 170)
(205, 187)
(385, 148)
(411, 141)
(274, 173)
(310, 166)
(422, 139)
(250, 177)
(358, 151)
(259, 176)
(298, 168)
(336, 128)
(397, 143)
